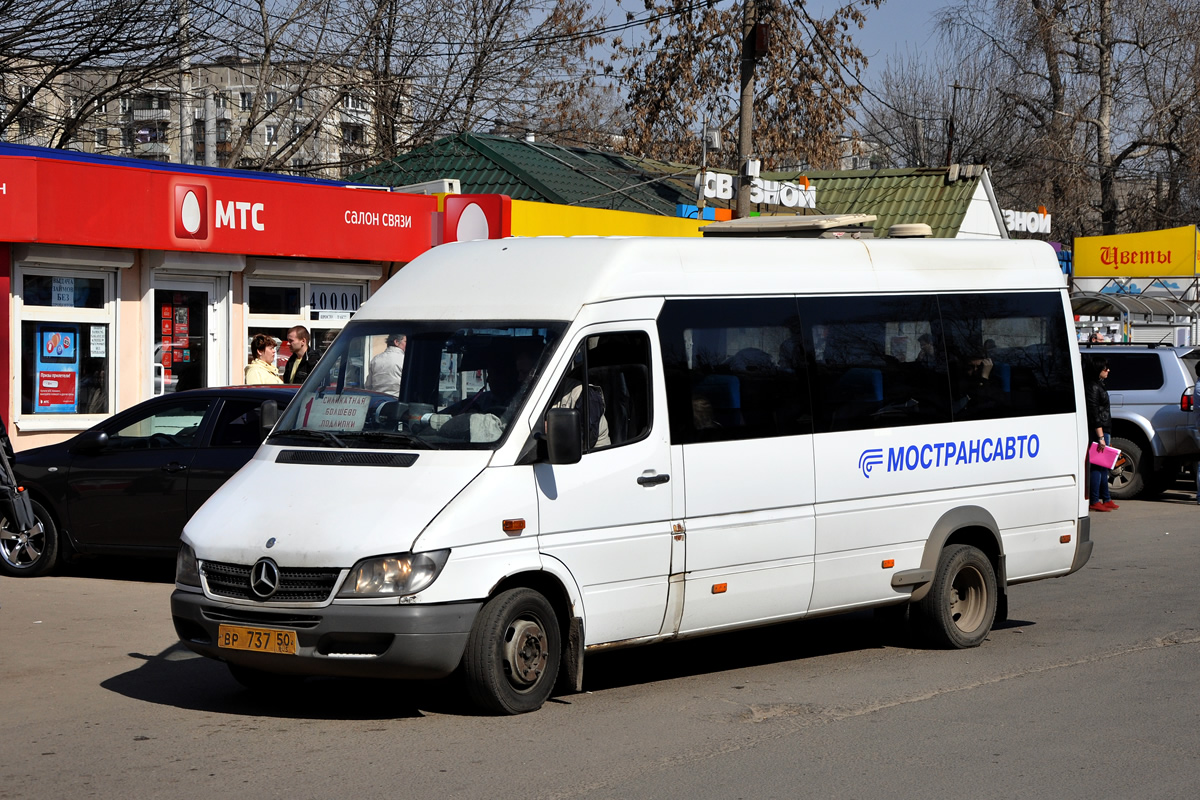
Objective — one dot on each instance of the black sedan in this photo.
(128, 485)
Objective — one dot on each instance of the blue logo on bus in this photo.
(869, 460)
(934, 455)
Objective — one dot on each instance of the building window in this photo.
(272, 99)
(27, 126)
(272, 134)
(354, 102)
(352, 134)
(323, 308)
(221, 99)
(245, 100)
(224, 131)
(67, 320)
(298, 102)
(127, 137)
(102, 137)
(124, 104)
(26, 92)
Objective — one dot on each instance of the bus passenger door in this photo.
(741, 427)
(608, 517)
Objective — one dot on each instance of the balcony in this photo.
(150, 149)
(151, 114)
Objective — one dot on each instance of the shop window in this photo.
(63, 291)
(65, 345)
(275, 300)
(323, 308)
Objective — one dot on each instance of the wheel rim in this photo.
(525, 653)
(1120, 474)
(968, 600)
(21, 550)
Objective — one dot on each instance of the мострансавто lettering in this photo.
(933, 455)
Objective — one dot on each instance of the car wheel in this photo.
(32, 553)
(960, 607)
(513, 652)
(1127, 478)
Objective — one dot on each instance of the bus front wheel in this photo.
(960, 607)
(513, 653)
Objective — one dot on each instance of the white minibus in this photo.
(607, 442)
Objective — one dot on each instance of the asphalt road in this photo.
(1089, 691)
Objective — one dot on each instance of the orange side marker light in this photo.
(513, 527)
(1065, 539)
(720, 588)
(888, 563)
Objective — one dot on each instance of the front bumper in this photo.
(395, 641)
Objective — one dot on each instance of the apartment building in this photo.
(301, 119)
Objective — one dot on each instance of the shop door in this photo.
(185, 323)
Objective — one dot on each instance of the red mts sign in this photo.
(69, 202)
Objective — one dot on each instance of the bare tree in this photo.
(684, 73)
(1106, 85)
(134, 42)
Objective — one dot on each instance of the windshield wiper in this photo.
(388, 436)
(305, 433)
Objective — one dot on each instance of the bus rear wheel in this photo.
(960, 607)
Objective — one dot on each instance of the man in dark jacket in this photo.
(304, 357)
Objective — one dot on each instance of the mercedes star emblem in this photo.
(264, 578)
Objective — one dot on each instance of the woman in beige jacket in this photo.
(262, 368)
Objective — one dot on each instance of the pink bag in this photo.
(1104, 459)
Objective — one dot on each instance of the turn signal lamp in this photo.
(1065, 538)
(720, 588)
(513, 527)
(888, 563)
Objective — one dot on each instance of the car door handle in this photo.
(652, 480)
(174, 466)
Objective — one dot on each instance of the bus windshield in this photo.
(419, 385)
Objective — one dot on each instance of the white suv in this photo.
(1153, 417)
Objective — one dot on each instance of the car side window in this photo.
(615, 397)
(1134, 372)
(238, 424)
(170, 425)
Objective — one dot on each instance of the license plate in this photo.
(259, 640)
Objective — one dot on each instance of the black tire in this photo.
(29, 555)
(1127, 478)
(513, 653)
(960, 608)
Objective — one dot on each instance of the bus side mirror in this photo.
(268, 415)
(564, 445)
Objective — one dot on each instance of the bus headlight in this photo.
(187, 568)
(394, 576)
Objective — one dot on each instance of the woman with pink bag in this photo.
(1099, 419)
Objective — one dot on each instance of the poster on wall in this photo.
(56, 391)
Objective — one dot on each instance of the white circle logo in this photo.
(189, 213)
(472, 224)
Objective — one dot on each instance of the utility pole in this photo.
(186, 147)
(746, 105)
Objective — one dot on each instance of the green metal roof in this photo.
(924, 194)
(580, 176)
(541, 171)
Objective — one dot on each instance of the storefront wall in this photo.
(141, 293)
